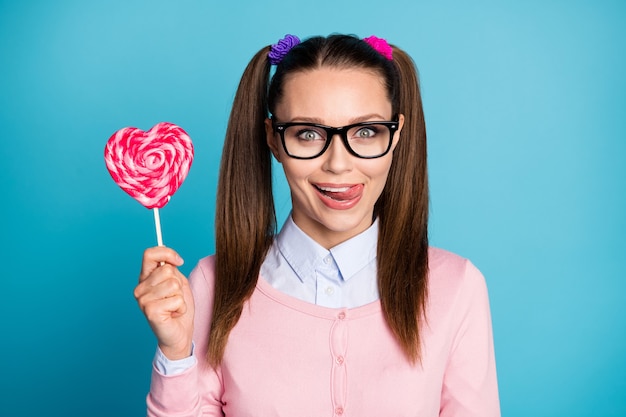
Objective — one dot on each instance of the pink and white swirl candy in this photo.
(150, 166)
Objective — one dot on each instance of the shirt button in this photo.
(339, 360)
(341, 315)
(330, 290)
(327, 260)
(339, 411)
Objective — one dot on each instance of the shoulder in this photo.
(205, 269)
(445, 265)
(452, 276)
(202, 280)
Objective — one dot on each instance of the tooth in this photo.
(334, 190)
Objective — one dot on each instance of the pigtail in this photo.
(245, 219)
(403, 212)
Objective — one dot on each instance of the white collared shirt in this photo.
(344, 276)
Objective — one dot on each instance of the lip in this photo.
(339, 196)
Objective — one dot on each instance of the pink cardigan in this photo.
(286, 357)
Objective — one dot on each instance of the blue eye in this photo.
(309, 135)
(366, 133)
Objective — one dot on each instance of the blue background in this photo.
(525, 106)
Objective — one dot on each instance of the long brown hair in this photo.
(245, 217)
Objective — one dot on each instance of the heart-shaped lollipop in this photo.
(150, 166)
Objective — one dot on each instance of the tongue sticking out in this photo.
(341, 193)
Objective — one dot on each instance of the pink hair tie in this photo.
(381, 46)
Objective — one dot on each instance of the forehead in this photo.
(333, 95)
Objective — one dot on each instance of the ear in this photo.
(396, 136)
(272, 139)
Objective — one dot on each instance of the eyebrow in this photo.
(316, 120)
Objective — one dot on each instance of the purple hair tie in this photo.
(280, 49)
(381, 46)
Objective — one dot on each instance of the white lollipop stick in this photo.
(157, 223)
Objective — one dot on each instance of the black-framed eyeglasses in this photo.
(366, 140)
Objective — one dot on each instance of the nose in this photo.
(337, 157)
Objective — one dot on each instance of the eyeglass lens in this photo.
(367, 140)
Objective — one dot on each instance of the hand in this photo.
(164, 296)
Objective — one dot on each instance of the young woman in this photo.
(347, 311)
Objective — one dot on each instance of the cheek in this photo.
(295, 171)
(378, 171)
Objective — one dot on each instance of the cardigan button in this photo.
(339, 411)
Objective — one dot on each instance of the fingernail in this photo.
(179, 260)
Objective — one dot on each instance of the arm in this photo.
(195, 391)
(470, 386)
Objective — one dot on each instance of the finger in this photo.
(161, 281)
(154, 257)
(164, 289)
(160, 311)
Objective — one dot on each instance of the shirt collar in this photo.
(357, 252)
(304, 254)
